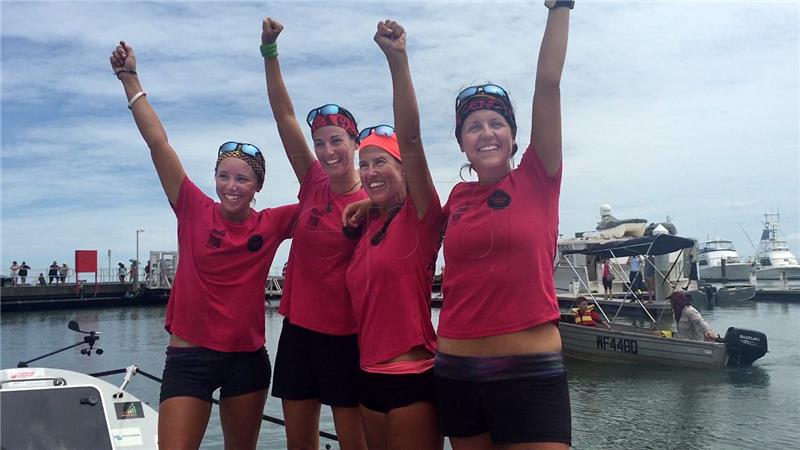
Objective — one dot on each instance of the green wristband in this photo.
(269, 51)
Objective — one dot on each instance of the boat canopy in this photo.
(659, 244)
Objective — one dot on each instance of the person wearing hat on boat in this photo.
(317, 359)
(500, 375)
(215, 314)
(391, 275)
(691, 324)
(585, 315)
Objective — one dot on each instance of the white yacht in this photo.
(776, 266)
(718, 261)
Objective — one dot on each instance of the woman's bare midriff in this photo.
(539, 339)
(177, 341)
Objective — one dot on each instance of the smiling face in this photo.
(236, 185)
(335, 150)
(487, 140)
(382, 177)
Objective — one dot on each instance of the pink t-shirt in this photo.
(499, 248)
(314, 294)
(217, 299)
(390, 283)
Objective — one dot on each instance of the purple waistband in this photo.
(493, 368)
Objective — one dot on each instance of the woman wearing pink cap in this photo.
(500, 374)
(391, 273)
(317, 360)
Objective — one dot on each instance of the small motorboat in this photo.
(650, 344)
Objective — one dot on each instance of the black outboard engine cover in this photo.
(744, 346)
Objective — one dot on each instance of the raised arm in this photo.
(166, 161)
(294, 143)
(391, 38)
(546, 127)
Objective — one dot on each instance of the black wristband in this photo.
(126, 71)
(561, 4)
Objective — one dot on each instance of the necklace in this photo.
(333, 195)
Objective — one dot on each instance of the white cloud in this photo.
(681, 109)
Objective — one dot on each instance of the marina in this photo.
(744, 407)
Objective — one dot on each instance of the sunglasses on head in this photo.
(380, 130)
(489, 89)
(327, 110)
(231, 146)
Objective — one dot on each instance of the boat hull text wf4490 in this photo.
(43, 408)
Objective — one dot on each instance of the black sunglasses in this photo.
(489, 89)
(327, 110)
(380, 130)
(231, 146)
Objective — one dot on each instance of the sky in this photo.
(679, 110)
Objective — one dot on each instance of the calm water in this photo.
(612, 406)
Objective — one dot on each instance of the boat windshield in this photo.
(715, 246)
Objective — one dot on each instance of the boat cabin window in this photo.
(703, 262)
(765, 262)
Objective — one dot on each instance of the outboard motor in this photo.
(744, 346)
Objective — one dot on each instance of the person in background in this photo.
(215, 314)
(42, 281)
(14, 269)
(317, 361)
(608, 278)
(634, 276)
(650, 276)
(500, 375)
(691, 324)
(691, 273)
(63, 272)
(52, 273)
(121, 272)
(587, 316)
(23, 272)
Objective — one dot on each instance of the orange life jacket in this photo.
(584, 318)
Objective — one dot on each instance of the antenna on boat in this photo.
(748, 236)
(90, 339)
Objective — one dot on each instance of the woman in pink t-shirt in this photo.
(317, 360)
(391, 274)
(215, 315)
(500, 374)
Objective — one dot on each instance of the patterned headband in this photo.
(257, 163)
(489, 102)
(336, 120)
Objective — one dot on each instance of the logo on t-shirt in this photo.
(255, 243)
(313, 219)
(456, 216)
(213, 241)
(499, 199)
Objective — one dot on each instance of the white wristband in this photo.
(135, 97)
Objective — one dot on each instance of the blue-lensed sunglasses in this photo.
(231, 146)
(489, 89)
(380, 130)
(327, 110)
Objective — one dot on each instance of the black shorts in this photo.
(198, 372)
(513, 410)
(608, 283)
(383, 392)
(313, 365)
